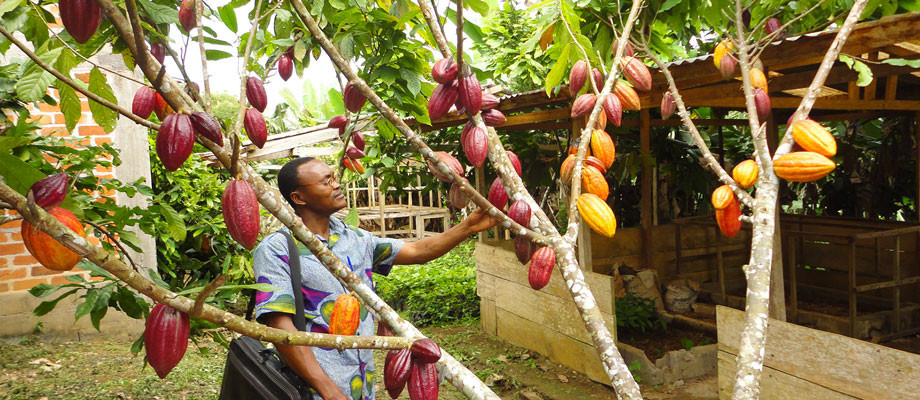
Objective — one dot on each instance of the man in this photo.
(309, 185)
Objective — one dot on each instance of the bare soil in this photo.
(656, 343)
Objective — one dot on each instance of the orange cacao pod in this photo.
(745, 173)
(48, 251)
(165, 338)
(577, 77)
(594, 182)
(565, 171)
(728, 219)
(758, 79)
(802, 166)
(451, 162)
(629, 99)
(597, 214)
(541, 267)
(255, 126)
(162, 108)
(145, 99)
(353, 165)
(668, 106)
(724, 47)
(50, 191)
(346, 315)
(444, 96)
(722, 196)
(600, 122)
(636, 73)
(175, 140)
(255, 93)
(396, 370)
(812, 136)
(602, 147)
(354, 99)
(423, 381)
(592, 161)
(80, 17)
(241, 212)
(583, 104)
(444, 71)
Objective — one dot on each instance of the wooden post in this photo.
(479, 181)
(647, 202)
(794, 294)
(777, 292)
(917, 158)
(585, 255)
(852, 287)
(897, 288)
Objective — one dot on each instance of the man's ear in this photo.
(297, 198)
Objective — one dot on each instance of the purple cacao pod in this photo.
(165, 338)
(175, 140)
(358, 139)
(207, 126)
(497, 195)
(524, 249)
(354, 153)
(338, 121)
(396, 371)
(285, 67)
(145, 99)
(541, 267)
(80, 17)
(423, 381)
(426, 350)
(255, 93)
(354, 99)
(158, 51)
(241, 212)
(50, 191)
(255, 126)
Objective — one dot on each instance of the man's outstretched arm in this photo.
(429, 248)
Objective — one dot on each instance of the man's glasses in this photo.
(325, 182)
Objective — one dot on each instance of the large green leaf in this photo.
(9, 5)
(70, 105)
(18, 175)
(175, 225)
(35, 81)
(228, 16)
(558, 71)
(105, 117)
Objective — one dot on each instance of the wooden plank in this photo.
(487, 316)
(891, 87)
(888, 284)
(892, 232)
(827, 359)
(822, 103)
(773, 384)
(646, 201)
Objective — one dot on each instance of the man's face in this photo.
(318, 190)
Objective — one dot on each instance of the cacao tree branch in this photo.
(69, 82)
(114, 240)
(431, 17)
(206, 99)
(10, 218)
(583, 51)
(459, 34)
(771, 37)
(244, 76)
(206, 292)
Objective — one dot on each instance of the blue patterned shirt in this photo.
(351, 370)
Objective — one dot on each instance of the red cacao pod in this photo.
(158, 51)
(165, 338)
(493, 117)
(175, 140)
(354, 153)
(628, 52)
(50, 191)
(762, 104)
(470, 94)
(145, 99)
(489, 101)
(636, 73)
(728, 219)
(541, 267)
(668, 106)
(423, 381)
(583, 104)
(285, 67)
(451, 162)
(577, 77)
(46, 249)
(187, 14)
(524, 249)
(255, 93)
(207, 126)
(598, 78)
(346, 315)
(444, 71)
(80, 17)
(425, 351)
(338, 121)
(354, 99)
(476, 146)
(728, 67)
(497, 195)
(358, 139)
(458, 199)
(520, 212)
(353, 165)
(613, 109)
(515, 161)
(441, 99)
(629, 99)
(773, 25)
(241, 212)
(255, 126)
(396, 371)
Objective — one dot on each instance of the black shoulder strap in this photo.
(294, 260)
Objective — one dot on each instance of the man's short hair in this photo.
(287, 177)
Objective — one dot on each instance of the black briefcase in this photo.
(254, 372)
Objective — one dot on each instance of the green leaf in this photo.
(46, 306)
(900, 62)
(138, 345)
(104, 116)
(8, 5)
(19, 175)
(262, 287)
(558, 71)
(35, 81)
(214, 55)
(352, 218)
(8, 143)
(668, 4)
(94, 270)
(131, 304)
(175, 225)
(96, 315)
(412, 81)
(88, 305)
(865, 74)
(228, 16)
(160, 14)
(43, 289)
(70, 105)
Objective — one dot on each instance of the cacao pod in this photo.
(758, 79)
(467, 127)
(773, 25)
(592, 161)
(541, 267)
(515, 161)
(165, 338)
(668, 105)
(745, 173)
(520, 212)
(724, 47)
(602, 147)
(802, 166)
(629, 99)
(207, 126)
(524, 249)
(145, 99)
(425, 351)
(636, 73)
(470, 94)
(746, 18)
(285, 67)
(338, 121)
(489, 101)
(601, 122)
(475, 145)
(80, 17)
(444, 71)
(396, 370)
(728, 67)
(451, 162)
(458, 199)
(762, 104)
(812, 136)
(573, 146)
(598, 78)
(47, 250)
(354, 153)
(241, 213)
(613, 109)
(583, 104)
(597, 214)
(255, 126)
(628, 52)
(175, 140)
(255, 92)
(50, 191)
(423, 381)
(497, 195)
(594, 182)
(358, 139)
(162, 108)
(493, 117)
(187, 15)
(565, 172)
(346, 315)
(722, 196)
(728, 219)
(353, 165)
(441, 99)
(577, 77)
(158, 51)
(192, 89)
(354, 99)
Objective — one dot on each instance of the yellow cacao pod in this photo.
(758, 79)
(594, 182)
(597, 214)
(602, 147)
(745, 173)
(346, 315)
(802, 166)
(724, 47)
(812, 136)
(722, 197)
(565, 172)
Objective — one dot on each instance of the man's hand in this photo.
(429, 248)
(478, 221)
